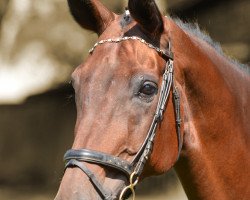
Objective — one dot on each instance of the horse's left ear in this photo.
(148, 15)
(91, 14)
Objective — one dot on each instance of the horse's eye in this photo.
(148, 89)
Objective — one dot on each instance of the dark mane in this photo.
(194, 29)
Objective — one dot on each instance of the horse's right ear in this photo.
(147, 14)
(91, 14)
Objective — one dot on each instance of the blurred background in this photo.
(40, 45)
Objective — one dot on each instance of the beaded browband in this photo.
(165, 53)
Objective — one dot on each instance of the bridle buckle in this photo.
(133, 180)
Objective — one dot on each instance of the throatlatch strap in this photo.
(176, 100)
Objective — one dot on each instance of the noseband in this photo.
(75, 158)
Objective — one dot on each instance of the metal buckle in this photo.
(133, 180)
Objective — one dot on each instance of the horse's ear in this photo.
(147, 14)
(91, 14)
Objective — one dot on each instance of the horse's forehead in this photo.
(120, 27)
(121, 57)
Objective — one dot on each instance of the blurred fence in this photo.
(40, 45)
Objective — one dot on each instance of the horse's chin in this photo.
(115, 186)
(76, 185)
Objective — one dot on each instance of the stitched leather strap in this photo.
(99, 158)
(176, 100)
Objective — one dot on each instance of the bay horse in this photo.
(155, 94)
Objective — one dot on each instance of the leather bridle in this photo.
(76, 158)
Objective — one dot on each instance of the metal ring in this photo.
(131, 186)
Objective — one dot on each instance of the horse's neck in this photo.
(215, 160)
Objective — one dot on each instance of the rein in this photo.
(133, 170)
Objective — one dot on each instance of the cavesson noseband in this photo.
(75, 158)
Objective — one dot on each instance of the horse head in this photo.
(117, 93)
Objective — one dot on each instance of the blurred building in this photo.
(40, 45)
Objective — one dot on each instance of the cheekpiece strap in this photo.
(146, 149)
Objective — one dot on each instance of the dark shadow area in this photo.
(34, 136)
